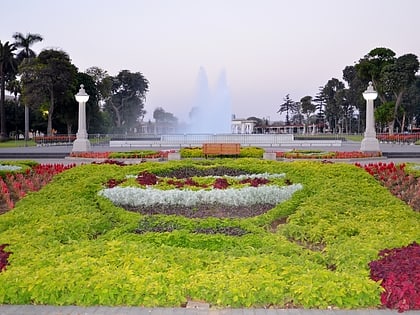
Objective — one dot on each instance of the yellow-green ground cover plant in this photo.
(70, 245)
(197, 152)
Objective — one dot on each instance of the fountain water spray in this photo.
(211, 112)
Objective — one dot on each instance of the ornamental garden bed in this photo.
(310, 248)
(244, 152)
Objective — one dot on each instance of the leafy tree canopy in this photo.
(160, 115)
(48, 79)
(126, 100)
(8, 68)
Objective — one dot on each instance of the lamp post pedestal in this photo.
(370, 143)
(82, 143)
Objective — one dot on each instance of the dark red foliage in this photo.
(190, 182)
(111, 183)
(181, 183)
(146, 178)
(399, 271)
(220, 183)
(177, 183)
(287, 182)
(3, 257)
(108, 161)
(255, 182)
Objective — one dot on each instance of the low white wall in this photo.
(187, 140)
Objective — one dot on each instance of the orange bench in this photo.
(221, 149)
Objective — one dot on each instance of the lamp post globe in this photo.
(82, 143)
(370, 143)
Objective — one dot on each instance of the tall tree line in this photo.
(340, 105)
(46, 84)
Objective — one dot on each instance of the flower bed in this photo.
(225, 196)
(136, 154)
(14, 186)
(394, 177)
(311, 250)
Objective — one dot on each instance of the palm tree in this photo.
(24, 42)
(8, 67)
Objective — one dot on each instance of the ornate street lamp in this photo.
(81, 144)
(369, 142)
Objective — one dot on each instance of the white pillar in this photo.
(81, 144)
(369, 142)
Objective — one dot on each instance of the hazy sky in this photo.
(267, 48)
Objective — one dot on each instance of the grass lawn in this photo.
(17, 144)
(72, 246)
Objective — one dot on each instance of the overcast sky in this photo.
(267, 48)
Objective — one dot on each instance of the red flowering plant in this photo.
(90, 155)
(395, 178)
(15, 186)
(137, 154)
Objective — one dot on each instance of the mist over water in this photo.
(211, 110)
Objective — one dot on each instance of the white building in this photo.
(243, 126)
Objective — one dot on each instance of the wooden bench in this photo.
(221, 149)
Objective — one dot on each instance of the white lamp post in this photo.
(81, 144)
(369, 142)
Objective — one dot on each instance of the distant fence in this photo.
(95, 139)
(54, 140)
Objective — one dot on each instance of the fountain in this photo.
(211, 112)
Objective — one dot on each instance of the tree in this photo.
(103, 82)
(25, 42)
(333, 93)
(308, 108)
(320, 107)
(371, 65)
(410, 103)
(160, 115)
(397, 78)
(289, 107)
(391, 76)
(126, 101)
(48, 80)
(8, 68)
(68, 113)
(354, 94)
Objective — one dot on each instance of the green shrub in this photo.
(197, 152)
